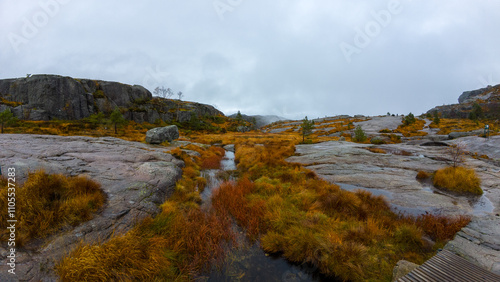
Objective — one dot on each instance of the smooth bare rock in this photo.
(395, 173)
(375, 124)
(136, 178)
(161, 134)
(402, 268)
(470, 96)
(482, 146)
(479, 242)
(455, 135)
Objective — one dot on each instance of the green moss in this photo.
(99, 94)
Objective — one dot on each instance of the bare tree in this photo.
(163, 92)
(180, 95)
(457, 153)
(169, 93)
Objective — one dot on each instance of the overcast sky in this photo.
(290, 58)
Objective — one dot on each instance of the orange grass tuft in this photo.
(458, 179)
(421, 175)
(48, 202)
(377, 150)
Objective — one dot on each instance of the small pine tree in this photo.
(307, 127)
(97, 119)
(6, 118)
(359, 134)
(436, 120)
(117, 119)
(239, 117)
(476, 113)
(409, 119)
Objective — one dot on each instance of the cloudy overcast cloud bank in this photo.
(289, 58)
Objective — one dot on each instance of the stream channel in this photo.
(249, 262)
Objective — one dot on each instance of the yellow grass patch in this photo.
(458, 179)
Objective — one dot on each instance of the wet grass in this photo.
(287, 208)
(351, 236)
(176, 245)
(45, 203)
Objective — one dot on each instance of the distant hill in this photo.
(48, 97)
(487, 98)
(261, 121)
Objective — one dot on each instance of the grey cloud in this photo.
(279, 57)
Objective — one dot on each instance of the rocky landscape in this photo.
(393, 175)
(138, 177)
(48, 97)
(488, 98)
(135, 177)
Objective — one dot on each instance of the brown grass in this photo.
(412, 130)
(211, 158)
(174, 246)
(441, 228)
(421, 175)
(446, 126)
(353, 236)
(377, 150)
(458, 179)
(46, 203)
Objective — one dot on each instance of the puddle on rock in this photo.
(482, 206)
(375, 192)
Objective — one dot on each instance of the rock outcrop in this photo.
(479, 242)
(46, 97)
(161, 134)
(393, 175)
(136, 178)
(488, 98)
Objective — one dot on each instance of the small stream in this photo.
(249, 262)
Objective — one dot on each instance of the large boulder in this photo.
(161, 134)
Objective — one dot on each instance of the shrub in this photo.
(440, 227)
(409, 119)
(458, 179)
(385, 130)
(377, 141)
(48, 202)
(359, 134)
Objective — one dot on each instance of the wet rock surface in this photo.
(135, 177)
(479, 242)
